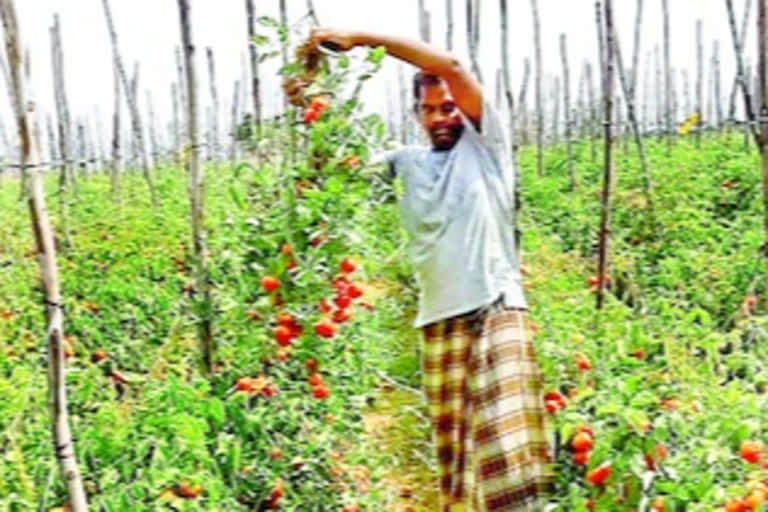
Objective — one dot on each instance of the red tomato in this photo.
(600, 474)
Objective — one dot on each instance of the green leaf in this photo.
(267, 21)
(376, 55)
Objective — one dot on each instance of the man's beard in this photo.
(442, 143)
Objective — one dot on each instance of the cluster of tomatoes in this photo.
(288, 327)
(753, 452)
(317, 106)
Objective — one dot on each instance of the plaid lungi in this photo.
(483, 388)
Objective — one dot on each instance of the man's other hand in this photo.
(340, 40)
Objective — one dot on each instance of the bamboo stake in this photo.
(507, 85)
(556, 111)
(197, 193)
(716, 92)
(132, 105)
(424, 22)
(602, 263)
(742, 40)
(116, 156)
(601, 61)
(667, 76)
(506, 82)
(53, 154)
(152, 132)
(699, 81)
(81, 149)
(646, 95)
(539, 107)
(592, 112)
(235, 110)
(67, 176)
(568, 120)
(312, 13)
(175, 125)
(134, 88)
(473, 36)
(449, 25)
(636, 50)
(748, 125)
(750, 114)
(762, 33)
(633, 122)
(284, 56)
(214, 104)
(253, 51)
(44, 238)
(659, 94)
(522, 105)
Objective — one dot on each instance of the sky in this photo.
(148, 32)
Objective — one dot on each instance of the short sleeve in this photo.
(492, 133)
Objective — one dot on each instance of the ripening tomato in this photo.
(321, 392)
(348, 265)
(352, 161)
(600, 474)
(342, 300)
(319, 104)
(184, 490)
(315, 379)
(551, 406)
(659, 504)
(285, 319)
(244, 384)
(751, 451)
(582, 442)
(341, 315)
(581, 458)
(354, 291)
(287, 249)
(311, 115)
(736, 506)
(270, 283)
(583, 362)
(283, 335)
(311, 365)
(324, 306)
(99, 356)
(755, 499)
(325, 328)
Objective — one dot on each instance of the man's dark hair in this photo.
(421, 79)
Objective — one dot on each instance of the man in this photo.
(481, 378)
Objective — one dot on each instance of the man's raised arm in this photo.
(465, 89)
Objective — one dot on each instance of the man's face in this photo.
(439, 116)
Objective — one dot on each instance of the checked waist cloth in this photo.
(483, 388)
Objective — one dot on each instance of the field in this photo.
(676, 380)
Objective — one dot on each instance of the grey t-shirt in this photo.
(458, 210)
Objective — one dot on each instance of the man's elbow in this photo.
(448, 69)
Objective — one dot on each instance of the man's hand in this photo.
(340, 40)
